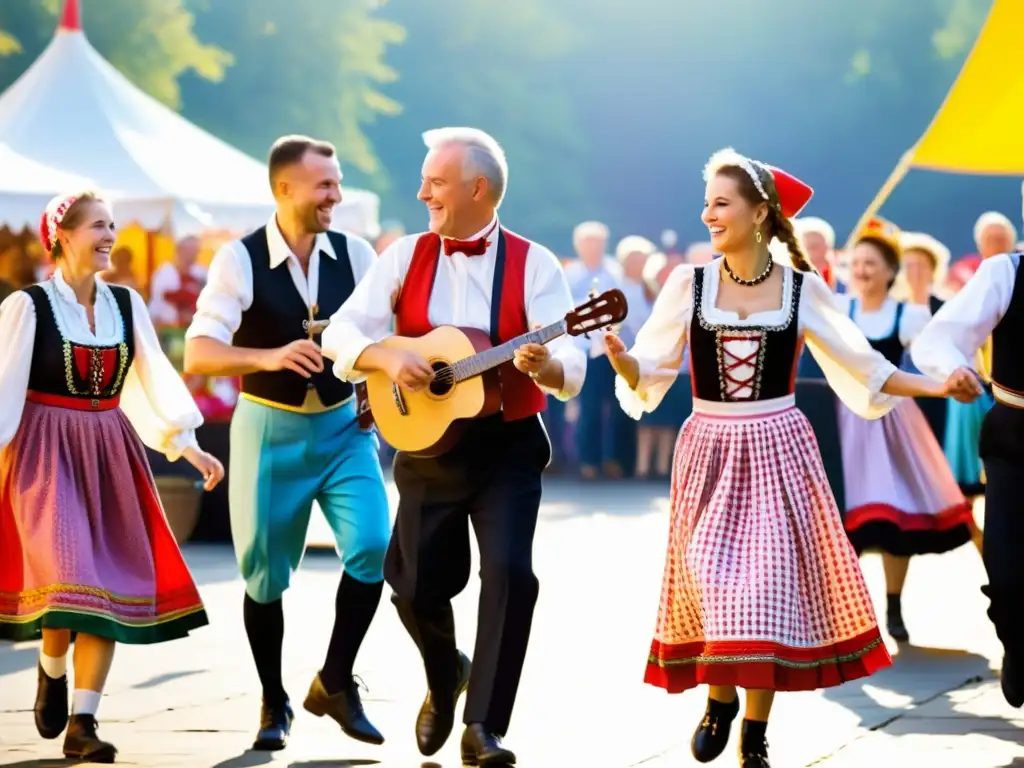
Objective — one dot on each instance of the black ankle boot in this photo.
(712, 735)
(51, 708)
(894, 619)
(754, 745)
(82, 743)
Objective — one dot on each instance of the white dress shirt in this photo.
(960, 328)
(154, 397)
(461, 296)
(854, 370)
(228, 290)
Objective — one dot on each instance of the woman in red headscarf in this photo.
(762, 589)
(84, 544)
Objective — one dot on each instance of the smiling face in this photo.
(86, 237)
(309, 189)
(452, 201)
(730, 218)
(871, 269)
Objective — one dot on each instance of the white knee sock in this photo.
(85, 702)
(54, 666)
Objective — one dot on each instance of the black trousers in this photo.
(491, 479)
(1002, 450)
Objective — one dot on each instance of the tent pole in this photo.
(883, 194)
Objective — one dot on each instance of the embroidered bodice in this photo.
(66, 368)
(743, 361)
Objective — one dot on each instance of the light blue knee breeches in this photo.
(281, 462)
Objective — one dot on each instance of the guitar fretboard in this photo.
(495, 356)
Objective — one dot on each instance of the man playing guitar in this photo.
(501, 283)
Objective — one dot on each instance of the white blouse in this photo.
(154, 397)
(854, 370)
(877, 324)
(959, 329)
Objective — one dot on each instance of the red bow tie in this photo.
(476, 247)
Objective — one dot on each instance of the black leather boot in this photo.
(894, 619)
(482, 747)
(712, 735)
(82, 743)
(345, 708)
(1011, 683)
(275, 725)
(753, 745)
(51, 708)
(437, 715)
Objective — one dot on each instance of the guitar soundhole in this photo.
(444, 379)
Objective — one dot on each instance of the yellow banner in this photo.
(979, 128)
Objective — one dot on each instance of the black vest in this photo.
(278, 316)
(61, 367)
(1007, 360)
(775, 359)
(890, 346)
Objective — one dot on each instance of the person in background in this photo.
(819, 240)
(901, 496)
(389, 232)
(632, 253)
(120, 272)
(994, 233)
(175, 286)
(700, 253)
(595, 271)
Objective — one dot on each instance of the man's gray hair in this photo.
(484, 155)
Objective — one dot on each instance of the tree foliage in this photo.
(151, 43)
(302, 66)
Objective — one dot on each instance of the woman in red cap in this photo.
(84, 544)
(762, 589)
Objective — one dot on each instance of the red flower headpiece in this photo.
(54, 214)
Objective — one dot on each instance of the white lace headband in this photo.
(729, 156)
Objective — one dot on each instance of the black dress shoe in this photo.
(82, 743)
(754, 748)
(437, 715)
(896, 628)
(51, 708)
(345, 708)
(712, 735)
(481, 747)
(275, 725)
(1010, 682)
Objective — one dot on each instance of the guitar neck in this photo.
(484, 361)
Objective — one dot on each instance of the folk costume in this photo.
(504, 284)
(84, 543)
(295, 441)
(901, 496)
(991, 304)
(762, 589)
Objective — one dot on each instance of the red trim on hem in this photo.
(765, 665)
(73, 403)
(947, 519)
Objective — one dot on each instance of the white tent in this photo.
(72, 118)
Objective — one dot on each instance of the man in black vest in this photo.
(992, 304)
(295, 434)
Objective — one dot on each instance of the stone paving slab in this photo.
(599, 555)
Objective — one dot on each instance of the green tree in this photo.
(303, 66)
(151, 43)
(499, 66)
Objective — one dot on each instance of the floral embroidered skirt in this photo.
(84, 543)
(762, 588)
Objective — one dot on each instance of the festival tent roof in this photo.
(72, 117)
(977, 129)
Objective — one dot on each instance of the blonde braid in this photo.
(782, 228)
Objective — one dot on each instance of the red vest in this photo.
(520, 396)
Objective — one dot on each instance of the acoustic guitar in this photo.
(466, 384)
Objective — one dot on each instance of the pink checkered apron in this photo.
(762, 589)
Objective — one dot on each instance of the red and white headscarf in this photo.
(54, 214)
